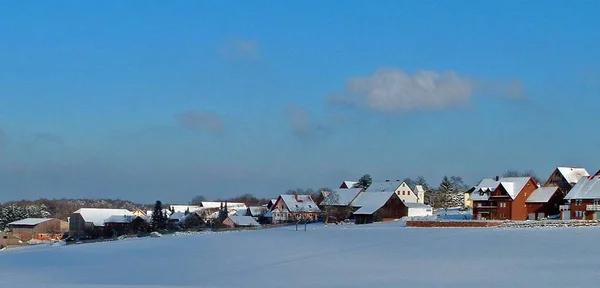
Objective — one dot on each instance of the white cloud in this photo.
(395, 90)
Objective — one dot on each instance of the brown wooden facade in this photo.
(48, 229)
(394, 208)
(546, 209)
(500, 206)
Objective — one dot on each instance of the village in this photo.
(569, 194)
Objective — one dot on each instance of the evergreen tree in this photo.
(364, 182)
(159, 219)
(443, 197)
(187, 211)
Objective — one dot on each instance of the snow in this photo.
(360, 255)
(586, 188)
(244, 221)
(98, 215)
(573, 174)
(386, 186)
(369, 202)
(303, 204)
(512, 185)
(344, 195)
(30, 221)
(120, 219)
(542, 195)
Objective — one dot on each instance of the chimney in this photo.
(296, 196)
(497, 178)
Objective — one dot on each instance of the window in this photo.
(578, 202)
(596, 201)
(502, 205)
(403, 193)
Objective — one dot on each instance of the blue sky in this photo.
(141, 100)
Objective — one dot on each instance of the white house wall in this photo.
(409, 195)
(413, 212)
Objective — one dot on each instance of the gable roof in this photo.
(230, 205)
(416, 205)
(304, 203)
(512, 185)
(573, 174)
(243, 221)
(586, 188)
(369, 203)
(29, 221)
(256, 211)
(385, 186)
(178, 216)
(98, 215)
(344, 196)
(542, 195)
(348, 184)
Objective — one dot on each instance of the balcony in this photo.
(564, 207)
(594, 207)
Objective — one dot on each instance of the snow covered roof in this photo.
(177, 216)
(120, 219)
(98, 215)
(386, 186)
(512, 185)
(344, 196)
(243, 221)
(300, 203)
(256, 211)
(541, 195)
(165, 212)
(416, 205)
(207, 204)
(29, 221)
(183, 208)
(586, 188)
(348, 184)
(371, 202)
(573, 174)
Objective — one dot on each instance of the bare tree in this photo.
(329, 204)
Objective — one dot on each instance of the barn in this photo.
(38, 228)
(378, 206)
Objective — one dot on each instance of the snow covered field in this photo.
(376, 255)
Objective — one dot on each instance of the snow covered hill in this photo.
(377, 255)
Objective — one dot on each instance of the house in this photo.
(565, 178)
(240, 222)
(420, 191)
(290, 208)
(468, 203)
(139, 212)
(347, 184)
(38, 228)
(257, 212)
(195, 219)
(90, 221)
(271, 203)
(378, 206)
(584, 199)
(400, 188)
(117, 225)
(418, 209)
(184, 208)
(544, 202)
(165, 212)
(177, 217)
(339, 197)
(502, 198)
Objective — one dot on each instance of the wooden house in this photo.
(378, 206)
(502, 198)
(544, 202)
(117, 225)
(240, 222)
(291, 208)
(89, 222)
(38, 228)
(584, 199)
(565, 178)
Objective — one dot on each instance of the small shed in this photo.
(240, 221)
(418, 209)
(38, 228)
